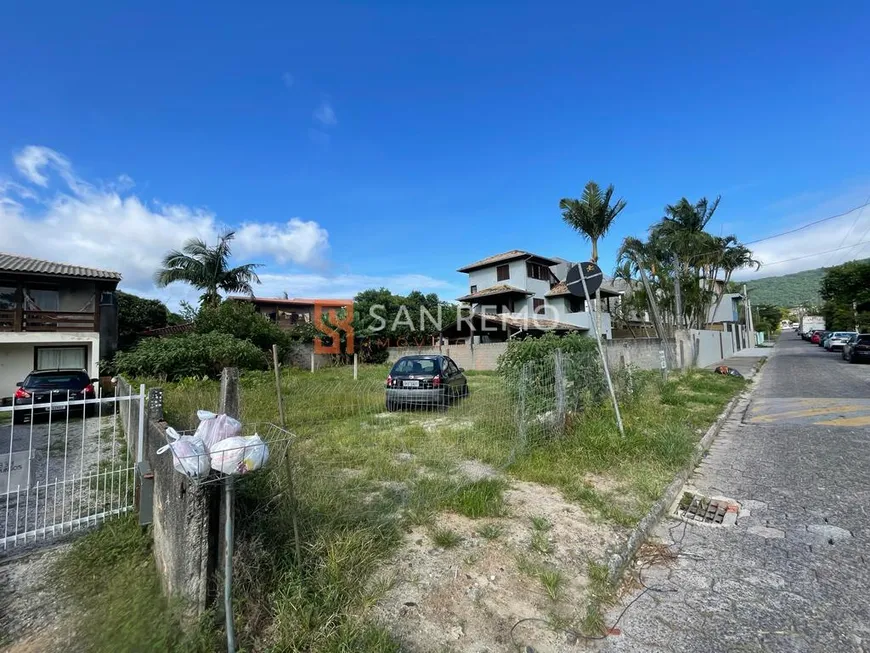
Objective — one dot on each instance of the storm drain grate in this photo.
(697, 508)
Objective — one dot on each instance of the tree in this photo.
(846, 292)
(137, 314)
(591, 215)
(207, 268)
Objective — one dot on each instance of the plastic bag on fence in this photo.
(189, 454)
(239, 455)
(214, 428)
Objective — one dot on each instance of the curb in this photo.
(619, 559)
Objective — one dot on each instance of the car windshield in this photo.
(416, 366)
(57, 380)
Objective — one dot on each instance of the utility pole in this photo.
(855, 316)
(747, 311)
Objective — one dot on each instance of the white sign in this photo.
(17, 475)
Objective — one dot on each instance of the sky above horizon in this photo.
(354, 146)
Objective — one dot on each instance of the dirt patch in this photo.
(31, 614)
(469, 596)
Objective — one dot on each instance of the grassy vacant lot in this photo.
(362, 477)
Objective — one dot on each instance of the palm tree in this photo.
(591, 215)
(207, 268)
(733, 256)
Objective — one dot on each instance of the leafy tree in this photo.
(845, 290)
(137, 314)
(242, 321)
(207, 268)
(593, 214)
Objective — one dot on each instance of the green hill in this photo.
(788, 290)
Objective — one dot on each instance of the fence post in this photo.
(559, 380)
(312, 362)
(278, 383)
(524, 384)
(140, 441)
(355, 366)
(229, 404)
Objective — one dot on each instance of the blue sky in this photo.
(355, 145)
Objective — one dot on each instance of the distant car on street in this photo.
(857, 349)
(40, 391)
(432, 380)
(836, 340)
(816, 337)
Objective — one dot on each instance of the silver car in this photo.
(836, 340)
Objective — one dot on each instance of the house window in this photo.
(42, 300)
(503, 272)
(7, 298)
(538, 306)
(538, 271)
(473, 289)
(575, 304)
(61, 358)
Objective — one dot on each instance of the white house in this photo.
(54, 316)
(527, 292)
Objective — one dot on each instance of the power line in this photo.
(848, 233)
(797, 258)
(810, 224)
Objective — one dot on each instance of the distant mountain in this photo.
(788, 290)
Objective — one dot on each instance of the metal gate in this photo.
(68, 464)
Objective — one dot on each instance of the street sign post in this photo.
(579, 272)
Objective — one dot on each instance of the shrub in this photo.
(194, 354)
(241, 320)
(534, 350)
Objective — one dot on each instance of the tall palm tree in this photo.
(592, 215)
(207, 268)
(732, 257)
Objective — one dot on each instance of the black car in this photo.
(424, 381)
(858, 348)
(38, 393)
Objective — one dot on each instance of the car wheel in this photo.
(392, 406)
(465, 390)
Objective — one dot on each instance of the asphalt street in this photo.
(794, 573)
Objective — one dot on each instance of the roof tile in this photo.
(28, 265)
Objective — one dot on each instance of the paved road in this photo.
(794, 573)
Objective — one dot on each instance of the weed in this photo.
(490, 531)
(552, 580)
(541, 543)
(445, 538)
(541, 524)
(601, 595)
(483, 498)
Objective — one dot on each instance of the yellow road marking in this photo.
(863, 420)
(809, 412)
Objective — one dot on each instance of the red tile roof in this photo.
(28, 265)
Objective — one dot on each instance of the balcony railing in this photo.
(51, 321)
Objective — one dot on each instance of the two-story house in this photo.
(288, 312)
(54, 316)
(528, 292)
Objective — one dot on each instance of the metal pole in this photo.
(278, 383)
(747, 311)
(678, 295)
(855, 315)
(229, 527)
(603, 356)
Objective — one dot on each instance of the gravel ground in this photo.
(793, 574)
(62, 450)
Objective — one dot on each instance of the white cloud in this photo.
(325, 114)
(107, 226)
(288, 80)
(297, 241)
(815, 246)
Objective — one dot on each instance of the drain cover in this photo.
(706, 510)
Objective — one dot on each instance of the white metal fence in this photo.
(68, 464)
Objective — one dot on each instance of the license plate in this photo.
(410, 384)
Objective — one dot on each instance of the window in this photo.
(574, 304)
(61, 358)
(7, 298)
(503, 272)
(42, 300)
(473, 289)
(451, 367)
(416, 366)
(538, 305)
(538, 271)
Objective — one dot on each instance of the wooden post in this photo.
(278, 383)
(229, 403)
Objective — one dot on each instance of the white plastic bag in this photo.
(189, 454)
(214, 428)
(239, 455)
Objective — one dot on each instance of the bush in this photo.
(535, 350)
(194, 354)
(241, 320)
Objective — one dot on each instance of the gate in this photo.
(68, 464)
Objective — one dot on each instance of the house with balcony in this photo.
(54, 316)
(525, 292)
(289, 312)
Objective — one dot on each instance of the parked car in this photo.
(816, 337)
(836, 340)
(38, 393)
(857, 349)
(848, 344)
(432, 380)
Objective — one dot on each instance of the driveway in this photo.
(794, 573)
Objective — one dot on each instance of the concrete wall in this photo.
(17, 353)
(642, 353)
(483, 356)
(300, 356)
